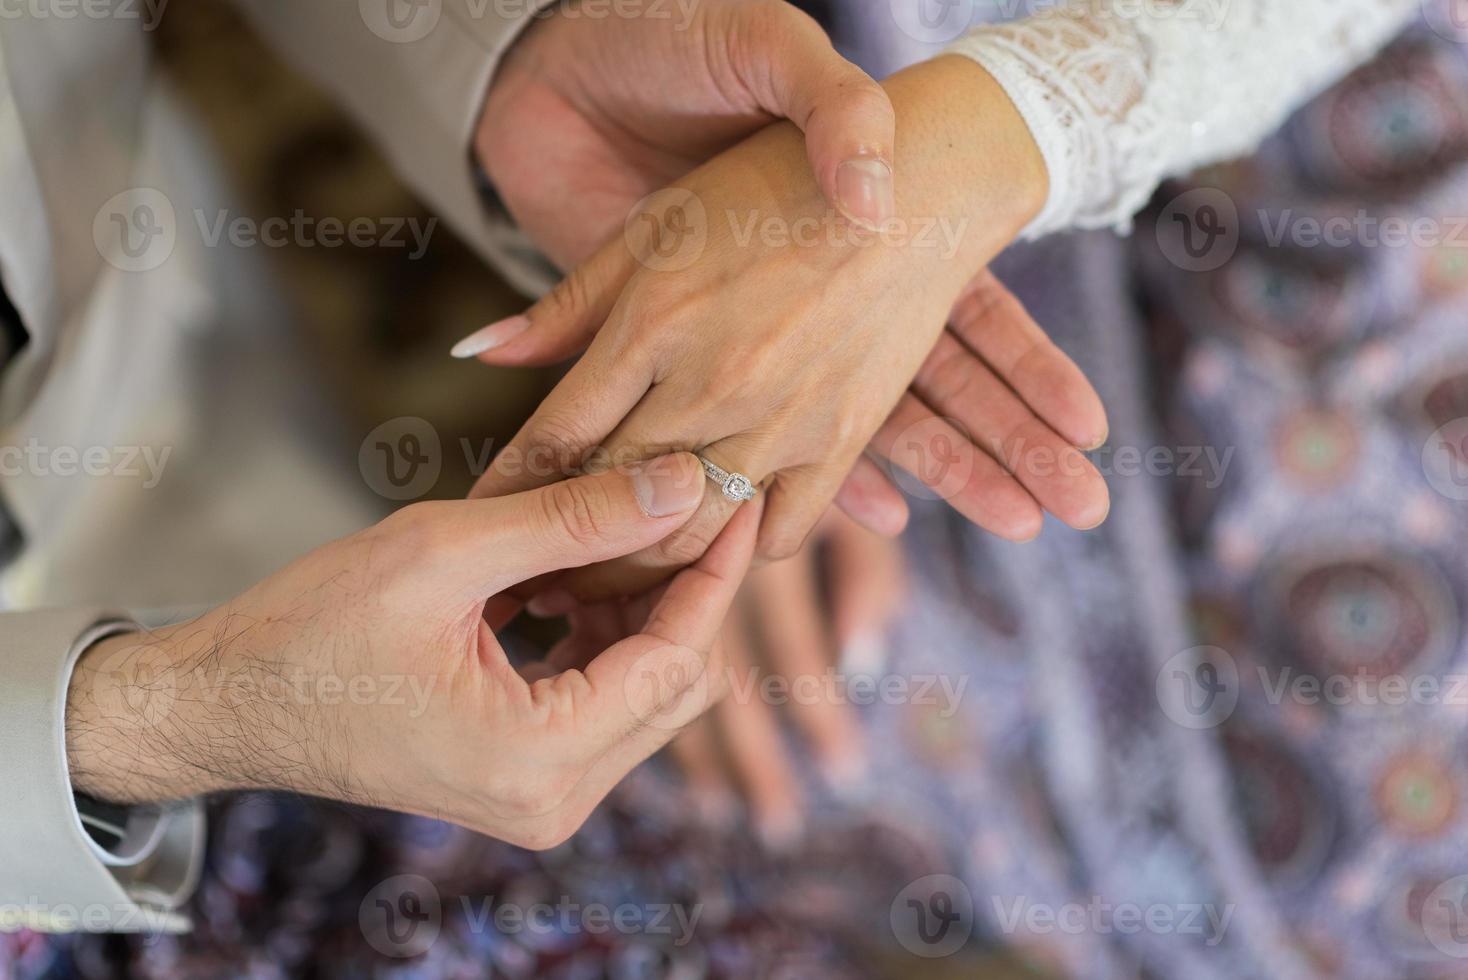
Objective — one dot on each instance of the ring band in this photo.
(736, 486)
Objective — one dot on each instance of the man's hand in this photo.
(588, 114)
(781, 357)
(368, 671)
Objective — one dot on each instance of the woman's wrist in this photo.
(965, 153)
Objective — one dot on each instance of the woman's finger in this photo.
(575, 418)
(868, 581)
(798, 498)
(756, 748)
(563, 321)
(990, 321)
(799, 647)
(942, 462)
(697, 755)
(642, 570)
(869, 498)
(956, 384)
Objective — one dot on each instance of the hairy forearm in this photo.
(178, 712)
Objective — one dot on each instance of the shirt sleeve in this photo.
(55, 876)
(1121, 96)
(414, 76)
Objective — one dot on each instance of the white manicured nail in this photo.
(497, 334)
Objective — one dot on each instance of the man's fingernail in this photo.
(865, 191)
(495, 335)
(667, 486)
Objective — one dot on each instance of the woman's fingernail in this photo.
(865, 191)
(864, 654)
(1096, 517)
(780, 830)
(497, 334)
(669, 485)
(547, 605)
(846, 773)
(717, 807)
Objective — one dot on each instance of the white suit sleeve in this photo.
(414, 76)
(1120, 96)
(54, 876)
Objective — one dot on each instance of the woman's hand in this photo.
(815, 623)
(368, 671)
(720, 324)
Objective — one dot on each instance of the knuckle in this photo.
(745, 369)
(559, 440)
(543, 834)
(532, 796)
(412, 534)
(570, 298)
(953, 377)
(780, 543)
(687, 544)
(860, 95)
(578, 510)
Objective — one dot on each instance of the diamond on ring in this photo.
(736, 486)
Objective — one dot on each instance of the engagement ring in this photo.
(736, 486)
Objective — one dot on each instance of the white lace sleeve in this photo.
(1120, 95)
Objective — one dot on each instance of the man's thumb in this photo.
(849, 123)
(580, 521)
